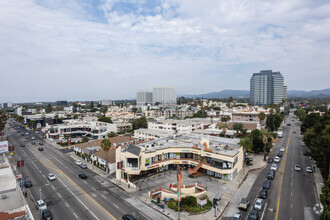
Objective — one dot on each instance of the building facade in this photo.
(143, 98)
(107, 102)
(165, 95)
(266, 87)
(200, 154)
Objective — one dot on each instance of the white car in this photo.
(33, 138)
(303, 144)
(309, 170)
(274, 167)
(51, 177)
(282, 149)
(41, 205)
(297, 167)
(258, 204)
(277, 159)
(78, 162)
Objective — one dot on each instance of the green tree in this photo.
(49, 109)
(262, 117)
(104, 119)
(246, 143)
(325, 200)
(225, 118)
(266, 140)
(270, 122)
(140, 123)
(85, 139)
(56, 119)
(111, 134)
(223, 126)
(3, 120)
(238, 127)
(256, 137)
(106, 145)
(104, 109)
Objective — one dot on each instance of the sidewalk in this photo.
(318, 183)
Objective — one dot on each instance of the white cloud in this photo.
(61, 50)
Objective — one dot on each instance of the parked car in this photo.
(277, 159)
(249, 161)
(83, 166)
(271, 175)
(282, 149)
(309, 170)
(270, 160)
(28, 183)
(237, 216)
(258, 204)
(41, 143)
(128, 217)
(78, 162)
(274, 167)
(244, 204)
(279, 154)
(297, 167)
(263, 193)
(40, 148)
(33, 143)
(41, 205)
(267, 184)
(33, 138)
(51, 177)
(46, 214)
(303, 144)
(22, 145)
(82, 176)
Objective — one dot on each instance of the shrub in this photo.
(189, 201)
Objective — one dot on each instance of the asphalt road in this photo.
(292, 194)
(68, 197)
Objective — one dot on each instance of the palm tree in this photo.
(224, 126)
(261, 117)
(106, 145)
(266, 136)
(238, 127)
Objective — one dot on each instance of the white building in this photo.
(180, 126)
(149, 134)
(107, 102)
(165, 95)
(143, 98)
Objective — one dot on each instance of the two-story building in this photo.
(179, 126)
(210, 155)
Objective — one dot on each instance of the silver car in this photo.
(258, 204)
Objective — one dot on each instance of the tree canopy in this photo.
(3, 119)
(325, 200)
(104, 119)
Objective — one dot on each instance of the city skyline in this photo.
(109, 50)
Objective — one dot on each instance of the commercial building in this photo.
(143, 98)
(63, 103)
(200, 154)
(164, 95)
(179, 126)
(266, 87)
(285, 92)
(151, 134)
(107, 102)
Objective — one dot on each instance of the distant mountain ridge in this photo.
(246, 93)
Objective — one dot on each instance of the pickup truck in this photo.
(244, 204)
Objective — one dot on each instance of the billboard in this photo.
(3, 147)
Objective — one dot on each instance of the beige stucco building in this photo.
(199, 154)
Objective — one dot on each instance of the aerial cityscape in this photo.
(156, 110)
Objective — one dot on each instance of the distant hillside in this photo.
(246, 93)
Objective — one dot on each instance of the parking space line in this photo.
(75, 215)
(59, 195)
(115, 206)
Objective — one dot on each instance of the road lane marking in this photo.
(115, 206)
(279, 195)
(144, 215)
(59, 195)
(75, 215)
(52, 187)
(83, 192)
(263, 212)
(104, 196)
(66, 204)
(93, 188)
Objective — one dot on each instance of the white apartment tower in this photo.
(143, 98)
(165, 95)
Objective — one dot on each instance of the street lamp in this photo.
(40, 189)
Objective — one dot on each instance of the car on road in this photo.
(282, 149)
(128, 217)
(40, 149)
(41, 205)
(297, 167)
(46, 214)
(33, 138)
(288, 124)
(277, 159)
(253, 215)
(244, 204)
(237, 216)
(33, 143)
(267, 184)
(294, 132)
(274, 167)
(82, 176)
(279, 154)
(270, 160)
(22, 145)
(83, 166)
(22, 134)
(28, 183)
(303, 144)
(78, 162)
(309, 170)
(271, 175)
(263, 193)
(27, 137)
(51, 177)
(258, 204)
(41, 143)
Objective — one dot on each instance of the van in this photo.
(280, 134)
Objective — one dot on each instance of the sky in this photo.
(109, 49)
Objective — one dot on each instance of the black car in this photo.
(46, 214)
(82, 176)
(22, 134)
(128, 217)
(271, 175)
(270, 160)
(28, 183)
(267, 184)
(40, 149)
(263, 194)
(22, 145)
(280, 154)
(253, 215)
(41, 143)
(33, 142)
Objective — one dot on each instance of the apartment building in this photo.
(180, 126)
(200, 154)
(164, 95)
(150, 134)
(245, 116)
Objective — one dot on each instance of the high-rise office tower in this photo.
(285, 92)
(266, 87)
(165, 95)
(143, 98)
